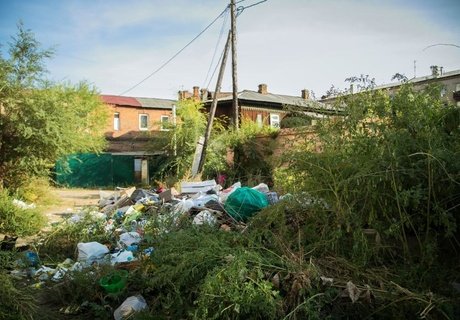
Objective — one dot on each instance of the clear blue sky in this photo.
(287, 44)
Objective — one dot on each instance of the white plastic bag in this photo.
(91, 251)
(130, 306)
(204, 217)
(227, 192)
(122, 256)
(129, 238)
(262, 187)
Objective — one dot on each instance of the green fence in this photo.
(92, 170)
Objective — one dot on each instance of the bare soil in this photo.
(70, 201)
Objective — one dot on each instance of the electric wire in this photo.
(174, 56)
(215, 68)
(216, 47)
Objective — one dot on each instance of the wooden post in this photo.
(212, 111)
(235, 108)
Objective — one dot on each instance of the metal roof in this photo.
(151, 103)
(121, 101)
(421, 79)
(155, 103)
(279, 99)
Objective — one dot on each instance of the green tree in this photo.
(179, 141)
(42, 121)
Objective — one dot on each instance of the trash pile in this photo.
(125, 215)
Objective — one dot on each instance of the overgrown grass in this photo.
(16, 303)
(17, 221)
(61, 242)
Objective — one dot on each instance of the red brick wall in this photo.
(129, 121)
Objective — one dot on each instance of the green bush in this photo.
(391, 166)
(61, 242)
(17, 221)
(15, 303)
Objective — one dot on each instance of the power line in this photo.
(174, 56)
(240, 9)
(215, 51)
(215, 69)
(442, 44)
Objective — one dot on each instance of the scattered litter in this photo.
(90, 252)
(122, 256)
(114, 282)
(130, 306)
(200, 186)
(21, 204)
(244, 202)
(204, 217)
(129, 238)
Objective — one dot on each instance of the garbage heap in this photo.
(125, 215)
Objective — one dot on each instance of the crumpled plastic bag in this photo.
(90, 252)
(130, 306)
(223, 196)
(204, 217)
(244, 202)
(129, 238)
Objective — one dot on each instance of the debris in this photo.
(21, 204)
(195, 187)
(129, 238)
(168, 195)
(327, 281)
(122, 256)
(130, 306)
(90, 252)
(351, 291)
(262, 187)
(227, 192)
(204, 217)
(244, 202)
(114, 282)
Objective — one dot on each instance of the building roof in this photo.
(151, 103)
(282, 100)
(421, 79)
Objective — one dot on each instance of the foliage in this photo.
(179, 142)
(239, 290)
(252, 148)
(295, 121)
(389, 168)
(61, 242)
(37, 190)
(16, 303)
(42, 121)
(17, 221)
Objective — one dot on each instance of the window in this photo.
(259, 120)
(143, 121)
(116, 121)
(274, 120)
(164, 123)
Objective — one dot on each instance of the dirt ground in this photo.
(70, 201)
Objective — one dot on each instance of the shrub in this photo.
(17, 221)
(16, 303)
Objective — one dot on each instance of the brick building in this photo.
(127, 158)
(261, 106)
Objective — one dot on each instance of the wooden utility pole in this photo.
(212, 111)
(234, 73)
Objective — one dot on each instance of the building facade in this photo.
(128, 159)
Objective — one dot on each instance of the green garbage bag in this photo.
(244, 202)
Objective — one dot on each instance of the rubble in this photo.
(123, 216)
